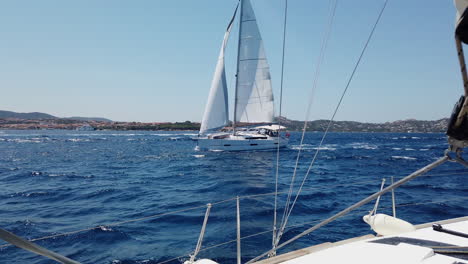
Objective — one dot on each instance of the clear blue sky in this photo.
(153, 60)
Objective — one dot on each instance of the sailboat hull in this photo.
(250, 142)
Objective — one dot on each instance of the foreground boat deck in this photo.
(419, 246)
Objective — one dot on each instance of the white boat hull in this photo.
(241, 143)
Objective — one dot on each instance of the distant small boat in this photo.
(253, 102)
(86, 127)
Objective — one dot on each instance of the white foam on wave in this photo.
(34, 194)
(216, 150)
(17, 140)
(402, 137)
(163, 135)
(331, 147)
(78, 140)
(403, 157)
(84, 135)
(174, 135)
(325, 148)
(152, 157)
(424, 149)
(105, 228)
(198, 156)
(363, 145)
(409, 149)
(396, 148)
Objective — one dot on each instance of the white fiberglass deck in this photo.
(418, 246)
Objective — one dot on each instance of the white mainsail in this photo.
(216, 110)
(461, 6)
(254, 96)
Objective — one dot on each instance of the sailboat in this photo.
(253, 104)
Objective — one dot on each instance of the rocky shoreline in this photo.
(402, 126)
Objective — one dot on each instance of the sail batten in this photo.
(254, 96)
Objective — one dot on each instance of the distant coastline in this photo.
(35, 121)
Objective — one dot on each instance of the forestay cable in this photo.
(279, 122)
(314, 87)
(333, 116)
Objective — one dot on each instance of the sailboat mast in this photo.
(237, 69)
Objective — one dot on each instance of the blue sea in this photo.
(140, 197)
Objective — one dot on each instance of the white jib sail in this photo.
(254, 96)
(217, 109)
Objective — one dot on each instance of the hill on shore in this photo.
(33, 115)
(39, 116)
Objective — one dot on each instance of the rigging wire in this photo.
(323, 48)
(334, 113)
(279, 121)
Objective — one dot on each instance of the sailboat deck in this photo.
(391, 249)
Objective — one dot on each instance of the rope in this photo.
(279, 121)
(334, 114)
(314, 87)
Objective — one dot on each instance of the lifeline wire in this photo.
(358, 212)
(253, 196)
